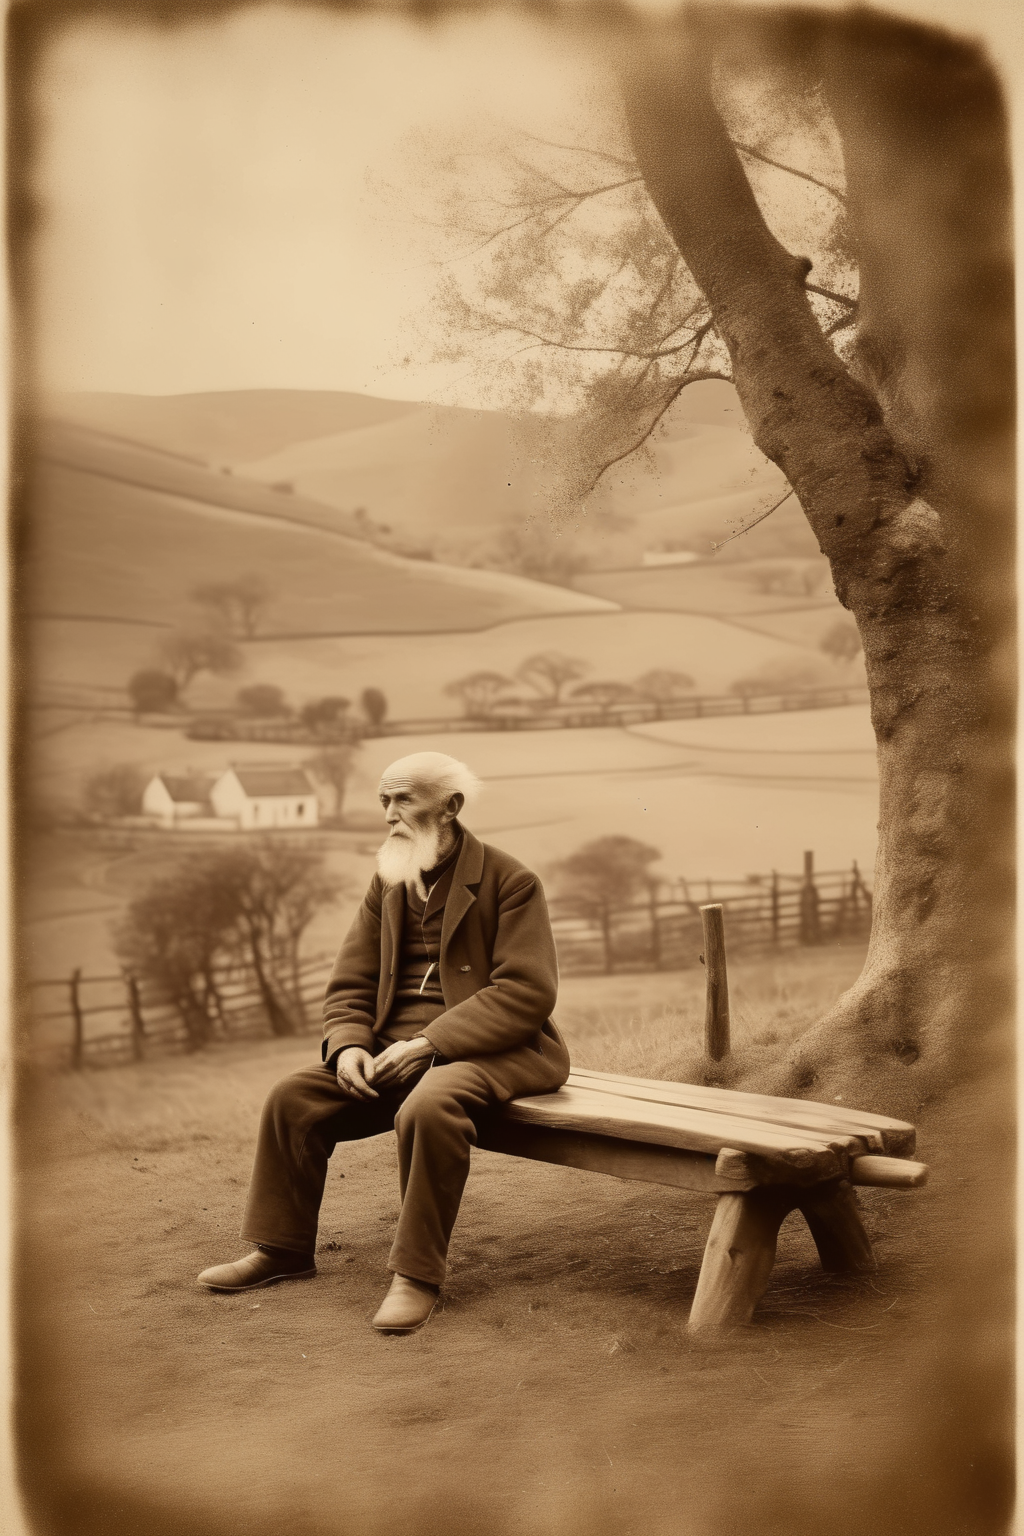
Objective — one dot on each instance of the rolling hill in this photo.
(116, 531)
(224, 427)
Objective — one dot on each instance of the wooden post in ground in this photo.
(810, 916)
(78, 1038)
(652, 899)
(716, 1008)
(775, 909)
(135, 1010)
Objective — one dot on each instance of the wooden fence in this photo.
(762, 914)
(78, 1021)
(575, 716)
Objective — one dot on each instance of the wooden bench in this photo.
(763, 1157)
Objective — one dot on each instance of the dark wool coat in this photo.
(498, 971)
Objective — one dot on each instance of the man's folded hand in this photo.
(355, 1069)
(400, 1061)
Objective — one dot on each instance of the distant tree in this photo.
(782, 676)
(262, 700)
(284, 487)
(662, 686)
(604, 695)
(235, 606)
(536, 550)
(479, 692)
(174, 935)
(333, 767)
(242, 907)
(152, 692)
(277, 889)
(842, 641)
(186, 653)
(374, 705)
(115, 791)
(549, 673)
(326, 717)
(601, 878)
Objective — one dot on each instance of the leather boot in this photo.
(406, 1306)
(264, 1266)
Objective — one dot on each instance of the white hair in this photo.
(434, 770)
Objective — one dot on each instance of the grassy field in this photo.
(106, 546)
(556, 1392)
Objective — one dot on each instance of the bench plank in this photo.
(694, 1130)
(893, 1137)
(642, 1161)
(816, 1124)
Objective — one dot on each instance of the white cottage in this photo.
(265, 796)
(172, 798)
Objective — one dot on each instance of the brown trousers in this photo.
(305, 1117)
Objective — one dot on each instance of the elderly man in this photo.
(438, 1008)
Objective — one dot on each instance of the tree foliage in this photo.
(152, 691)
(333, 767)
(374, 705)
(241, 910)
(662, 685)
(549, 673)
(327, 717)
(479, 692)
(263, 701)
(186, 653)
(237, 607)
(115, 791)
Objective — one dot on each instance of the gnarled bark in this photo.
(901, 467)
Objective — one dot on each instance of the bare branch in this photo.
(671, 398)
(827, 293)
(755, 154)
(721, 544)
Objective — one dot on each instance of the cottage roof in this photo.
(259, 783)
(188, 788)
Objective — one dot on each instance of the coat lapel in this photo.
(468, 871)
(391, 944)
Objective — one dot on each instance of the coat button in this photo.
(465, 967)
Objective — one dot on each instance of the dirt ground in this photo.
(555, 1393)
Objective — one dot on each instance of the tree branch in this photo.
(791, 170)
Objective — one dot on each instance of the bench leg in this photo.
(831, 1213)
(739, 1256)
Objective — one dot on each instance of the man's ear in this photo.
(454, 805)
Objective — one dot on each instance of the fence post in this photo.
(655, 930)
(810, 917)
(135, 1009)
(78, 1040)
(716, 1007)
(775, 909)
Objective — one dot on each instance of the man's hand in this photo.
(401, 1060)
(355, 1070)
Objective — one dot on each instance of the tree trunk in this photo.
(904, 473)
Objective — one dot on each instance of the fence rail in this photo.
(763, 914)
(560, 717)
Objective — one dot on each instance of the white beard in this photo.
(402, 857)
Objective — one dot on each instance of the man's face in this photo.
(411, 809)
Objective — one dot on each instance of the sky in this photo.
(230, 204)
(223, 204)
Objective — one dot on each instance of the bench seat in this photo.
(763, 1156)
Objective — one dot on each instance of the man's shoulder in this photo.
(505, 866)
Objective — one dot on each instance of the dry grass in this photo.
(652, 1025)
